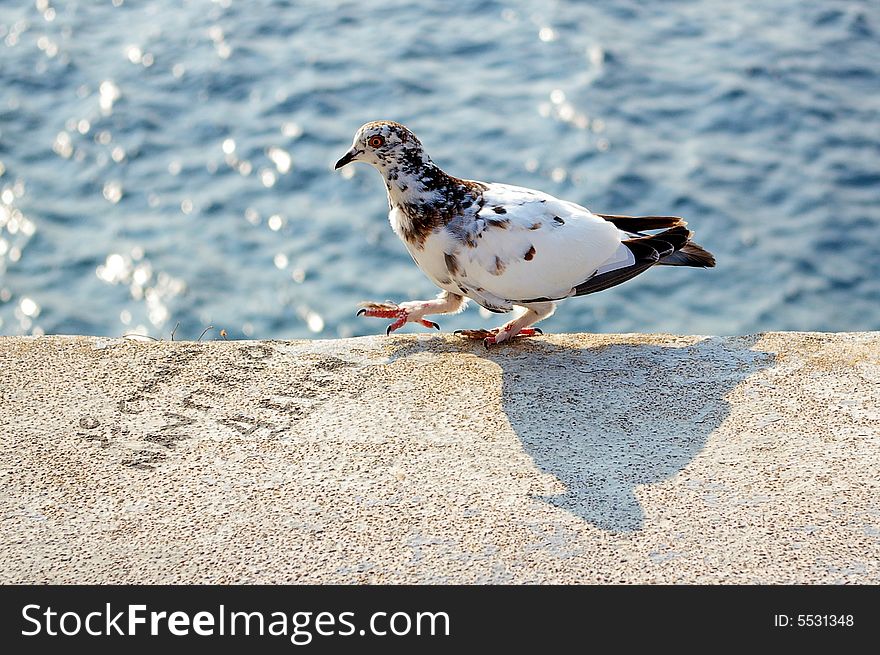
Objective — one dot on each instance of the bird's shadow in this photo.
(604, 420)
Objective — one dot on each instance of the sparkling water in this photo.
(170, 162)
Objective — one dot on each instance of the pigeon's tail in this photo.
(686, 254)
(690, 254)
(672, 247)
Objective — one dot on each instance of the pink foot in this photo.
(390, 310)
(491, 337)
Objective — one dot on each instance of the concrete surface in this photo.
(569, 458)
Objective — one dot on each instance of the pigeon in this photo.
(504, 246)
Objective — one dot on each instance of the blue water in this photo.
(170, 161)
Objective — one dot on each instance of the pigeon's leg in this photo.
(518, 327)
(413, 311)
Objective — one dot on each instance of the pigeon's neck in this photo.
(421, 184)
(426, 198)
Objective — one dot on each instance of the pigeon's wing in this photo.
(524, 245)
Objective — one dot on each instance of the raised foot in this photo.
(496, 335)
(390, 310)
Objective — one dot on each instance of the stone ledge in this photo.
(565, 459)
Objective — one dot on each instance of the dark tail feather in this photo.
(666, 243)
(690, 254)
(684, 253)
(640, 223)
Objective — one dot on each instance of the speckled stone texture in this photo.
(558, 459)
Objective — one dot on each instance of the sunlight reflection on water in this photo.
(134, 137)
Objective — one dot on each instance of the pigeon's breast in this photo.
(429, 254)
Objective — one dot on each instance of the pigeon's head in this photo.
(387, 146)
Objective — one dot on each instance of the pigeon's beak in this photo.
(347, 158)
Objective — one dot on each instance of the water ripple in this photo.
(169, 162)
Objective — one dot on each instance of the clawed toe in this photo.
(379, 310)
(397, 324)
(390, 310)
(474, 334)
(496, 335)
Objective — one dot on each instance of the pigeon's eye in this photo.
(376, 141)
